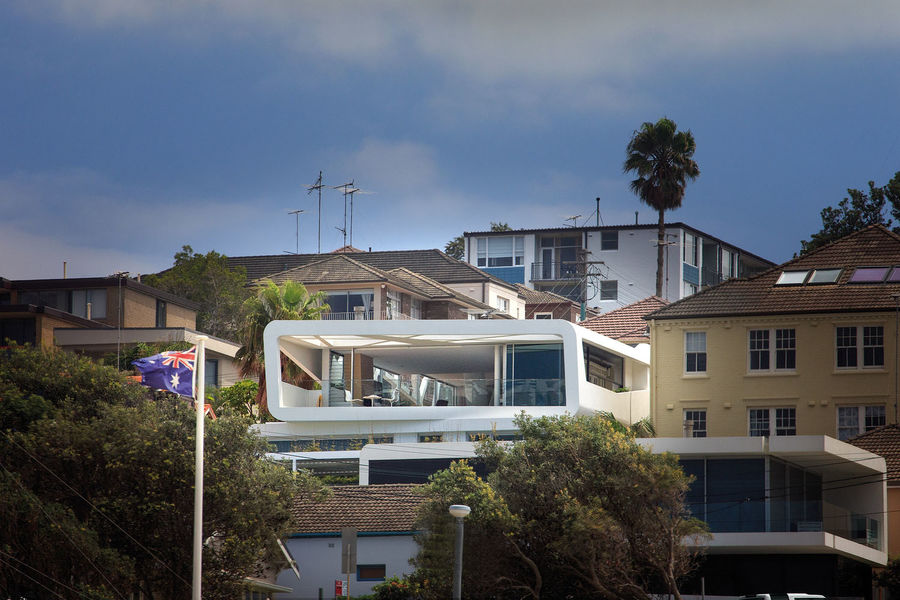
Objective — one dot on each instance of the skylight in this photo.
(792, 277)
(824, 276)
(894, 277)
(869, 274)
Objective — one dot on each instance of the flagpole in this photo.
(200, 404)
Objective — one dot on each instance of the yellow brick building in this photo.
(806, 348)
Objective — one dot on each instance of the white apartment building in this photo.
(609, 266)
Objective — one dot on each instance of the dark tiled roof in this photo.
(71, 283)
(431, 263)
(540, 297)
(885, 442)
(626, 323)
(369, 508)
(338, 268)
(873, 246)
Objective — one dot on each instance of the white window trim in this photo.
(773, 351)
(773, 419)
(860, 417)
(684, 362)
(542, 315)
(860, 348)
(694, 429)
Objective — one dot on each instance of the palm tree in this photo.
(290, 301)
(662, 159)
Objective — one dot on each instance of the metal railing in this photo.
(554, 271)
(366, 315)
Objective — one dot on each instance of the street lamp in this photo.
(460, 512)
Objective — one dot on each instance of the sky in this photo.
(129, 128)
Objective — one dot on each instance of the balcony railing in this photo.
(554, 271)
(364, 315)
(426, 392)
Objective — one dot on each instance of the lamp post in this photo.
(460, 512)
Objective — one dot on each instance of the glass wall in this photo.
(603, 368)
(534, 375)
(351, 304)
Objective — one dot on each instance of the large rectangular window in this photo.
(160, 313)
(502, 251)
(849, 353)
(534, 375)
(691, 244)
(21, 331)
(609, 240)
(609, 289)
(96, 298)
(695, 351)
(351, 304)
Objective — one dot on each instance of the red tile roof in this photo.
(369, 508)
(626, 324)
(869, 247)
(885, 442)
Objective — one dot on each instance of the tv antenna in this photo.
(297, 212)
(574, 220)
(349, 189)
(318, 185)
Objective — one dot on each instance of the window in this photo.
(695, 351)
(696, 419)
(609, 240)
(869, 274)
(160, 313)
(370, 572)
(763, 355)
(503, 303)
(762, 421)
(503, 251)
(690, 249)
(854, 420)
(81, 298)
(824, 276)
(603, 368)
(211, 372)
(792, 277)
(609, 289)
(848, 352)
(689, 289)
(728, 270)
(415, 309)
(543, 315)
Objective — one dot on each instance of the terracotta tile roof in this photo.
(337, 268)
(431, 263)
(370, 508)
(434, 289)
(870, 247)
(626, 324)
(885, 442)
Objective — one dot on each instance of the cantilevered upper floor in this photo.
(385, 377)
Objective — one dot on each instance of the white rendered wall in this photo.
(319, 560)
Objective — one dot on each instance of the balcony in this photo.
(366, 315)
(554, 271)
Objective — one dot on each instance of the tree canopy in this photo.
(858, 211)
(575, 509)
(96, 487)
(289, 301)
(662, 158)
(207, 280)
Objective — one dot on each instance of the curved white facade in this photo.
(403, 378)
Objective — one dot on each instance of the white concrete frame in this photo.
(308, 344)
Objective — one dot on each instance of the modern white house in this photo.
(609, 266)
(785, 513)
(449, 380)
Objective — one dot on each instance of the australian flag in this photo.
(173, 371)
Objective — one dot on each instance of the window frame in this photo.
(359, 569)
(697, 370)
(695, 431)
(861, 419)
(772, 352)
(484, 256)
(609, 240)
(690, 254)
(542, 315)
(777, 419)
(611, 291)
(860, 351)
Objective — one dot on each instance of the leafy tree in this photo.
(662, 159)
(576, 509)
(857, 212)
(96, 487)
(240, 398)
(207, 280)
(290, 301)
(889, 577)
(457, 246)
